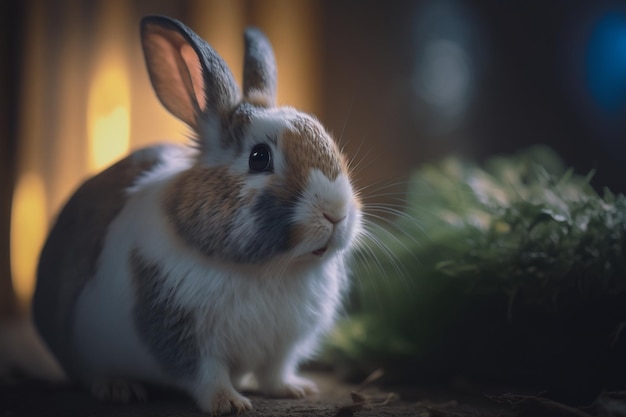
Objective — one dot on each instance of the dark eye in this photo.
(260, 159)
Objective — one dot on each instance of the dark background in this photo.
(532, 72)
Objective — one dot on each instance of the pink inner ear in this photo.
(169, 73)
(195, 72)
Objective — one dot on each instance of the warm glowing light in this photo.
(28, 229)
(108, 118)
(110, 137)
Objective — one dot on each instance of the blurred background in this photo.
(398, 83)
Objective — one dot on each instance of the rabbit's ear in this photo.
(259, 72)
(188, 76)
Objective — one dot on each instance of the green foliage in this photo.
(492, 271)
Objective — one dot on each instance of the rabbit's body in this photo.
(244, 314)
(193, 266)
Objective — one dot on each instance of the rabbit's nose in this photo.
(334, 218)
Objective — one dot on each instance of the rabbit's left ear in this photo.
(188, 76)
(259, 70)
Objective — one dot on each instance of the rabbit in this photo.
(192, 266)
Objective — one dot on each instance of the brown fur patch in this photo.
(309, 147)
(69, 257)
(200, 203)
(306, 147)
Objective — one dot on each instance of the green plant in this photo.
(515, 270)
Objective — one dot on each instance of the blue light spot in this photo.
(606, 62)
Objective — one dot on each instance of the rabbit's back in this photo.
(70, 255)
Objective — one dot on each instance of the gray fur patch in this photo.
(167, 329)
(259, 73)
(237, 124)
(272, 235)
(69, 259)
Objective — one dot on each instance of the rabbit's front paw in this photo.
(224, 401)
(292, 387)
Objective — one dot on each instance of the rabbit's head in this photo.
(268, 182)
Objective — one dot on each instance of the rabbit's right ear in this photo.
(188, 76)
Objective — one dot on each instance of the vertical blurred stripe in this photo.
(294, 28)
(29, 206)
(35, 70)
(10, 18)
(68, 164)
(108, 104)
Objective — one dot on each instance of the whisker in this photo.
(354, 169)
(383, 185)
(403, 232)
(371, 264)
(399, 268)
(345, 123)
(397, 211)
(393, 196)
(398, 241)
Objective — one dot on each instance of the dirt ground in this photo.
(30, 386)
(37, 399)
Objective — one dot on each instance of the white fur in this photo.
(174, 159)
(209, 132)
(250, 319)
(270, 124)
(334, 198)
(263, 319)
